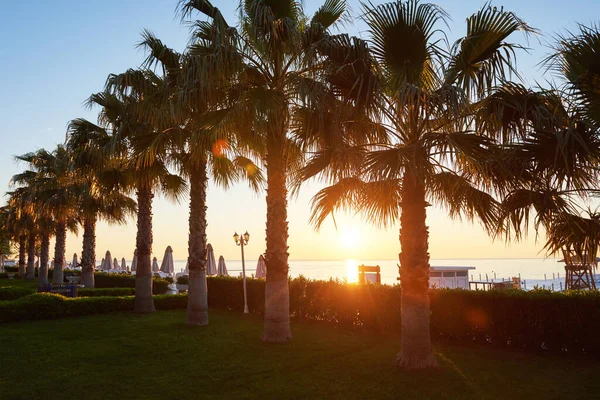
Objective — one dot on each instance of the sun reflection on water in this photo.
(352, 271)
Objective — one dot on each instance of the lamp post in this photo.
(243, 241)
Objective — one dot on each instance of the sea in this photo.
(545, 273)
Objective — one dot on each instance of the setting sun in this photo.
(352, 271)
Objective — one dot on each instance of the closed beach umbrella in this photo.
(167, 265)
(222, 268)
(115, 263)
(134, 262)
(187, 267)
(106, 262)
(155, 267)
(74, 262)
(211, 265)
(261, 267)
(123, 264)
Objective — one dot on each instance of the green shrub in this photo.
(538, 320)
(104, 280)
(3, 275)
(170, 301)
(11, 269)
(88, 292)
(13, 293)
(183, 280)
(51, 306)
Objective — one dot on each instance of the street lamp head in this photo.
(246, 237)
(236, 237)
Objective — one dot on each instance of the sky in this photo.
(55, 54)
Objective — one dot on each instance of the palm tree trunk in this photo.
(143, 274)
(22, 250)
(277, 295)
(415, 349)
(88, 254)
(44, 256)
(59, 252)
(197, 303)
(30, 257)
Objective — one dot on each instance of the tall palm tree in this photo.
(421, 96)
(99, 180)
(20, 221)
(51, 175)
(554, 155)
(275, 51)
(201, 150)
(145, 167)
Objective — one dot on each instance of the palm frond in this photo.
(483, 58)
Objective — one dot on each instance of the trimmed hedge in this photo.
(103, 280)
(88, 292)
(3, 275)
(13, 293)
(51, 306)
(538, 320)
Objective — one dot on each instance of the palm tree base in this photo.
(196, 318)
(57, 276)
(415, 350)
(416, 360)
(144, 303)
(197, 307)
(144, 307)
(87, 279)
(277, 312)
(277, 332)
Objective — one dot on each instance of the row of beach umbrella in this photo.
(212, 268)
(168, 265)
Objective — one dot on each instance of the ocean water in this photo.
(543, 272)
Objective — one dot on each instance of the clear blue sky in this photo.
(56, 53)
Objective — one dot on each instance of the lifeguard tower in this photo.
(579, 270)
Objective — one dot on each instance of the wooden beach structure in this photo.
(369, 274)
(579, 270)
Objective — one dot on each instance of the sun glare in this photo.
(350, 238)
(352, 271)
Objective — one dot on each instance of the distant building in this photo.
(449, 277)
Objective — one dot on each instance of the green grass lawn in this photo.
(129, 356)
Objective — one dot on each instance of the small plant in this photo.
(183, 280)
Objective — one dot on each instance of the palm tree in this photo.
(275, 52)
(98, 190)
(53, 191)
(421, 97)
(19, 221)
(145, 167)
(554, 154)
(203, 149)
